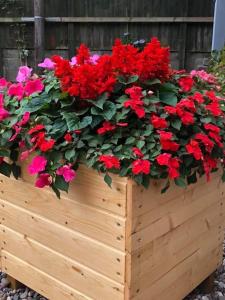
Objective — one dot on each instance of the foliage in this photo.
(127, 113)
(217, 66)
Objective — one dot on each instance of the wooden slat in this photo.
(93, 222)
(38, 280)
(89, 188)
(60, 267)
(113, 19)
(95, 255)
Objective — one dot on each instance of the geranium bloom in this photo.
(158, 123)
(137, 152)
(110, 161)
(16, 90)
(24, 74)
(33, 86)
(106, 127)
(43, 180)
(47, 64)
(141, 166)
(186, 83)
(194, 149)
(37, 165)
(67, 173)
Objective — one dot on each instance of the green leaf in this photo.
(165, 188)
(180, 182)
(69, 154)
(5, 169)
(61, 184)
(56, 191)
(16, 170)
(109, 110)
(126, 81)
(108, 180)
(152, 82)
(192, 178)
(71, 120)
(176, 124)
(37, 103)
(100, 101)
(130, 140)
(106, 146)
(168, 98)
(85, 122)
(140, 144)
(4, 153)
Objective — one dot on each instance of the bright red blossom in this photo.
(158, 123)
(110, 161)
(186, 83)
(141, 166)
(106, 127)
(137, 152)
(194, 149)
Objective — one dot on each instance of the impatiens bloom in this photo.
(68, 137)
(135, 102)
(33, 86)
(141, 166)
(163, 159)
(106, 127)
(186, 83)
(24, 74)
(45, 145)
(194, 149)
(67, 173)
(3, 83)
(203, 75)
(212, 127)
(137, 152)
(37, 165)
(110, 161)
(172, 163)
(16, 90)
(36, 128)
(158, 123)
(47, 64)
(198, 97)
(4, 114)
(205, 141)
(43, 180)
(25, 119)
(166, 141)
(209, 164)
(17, 131)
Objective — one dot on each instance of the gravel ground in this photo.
(26, 294)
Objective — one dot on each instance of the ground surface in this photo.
(26, 294)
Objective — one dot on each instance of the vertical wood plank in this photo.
(39, 31)
(71, 29)
(183, 41)
(1, 62)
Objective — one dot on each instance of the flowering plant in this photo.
(127, 113)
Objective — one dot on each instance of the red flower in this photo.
(141, 166)
(198, 97)
(205, 140)
(83, 54)
(110, 161)
(171, 110)
(68, 137)
(137, 152)
(135, 102)
(209, 164)
(106, 127)
(46, 145)
(173, 165)
(186, 83)
(159, 123)
(216, 137)
(36, 128)
(166, 143)
(194, 149)
(77, 131)
(122, 124)
(212, 127)
(212, 96)
(187, 118)
(214, 108)
(187, 104)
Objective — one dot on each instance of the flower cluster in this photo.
(126, 113)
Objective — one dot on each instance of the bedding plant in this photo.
(127, 113)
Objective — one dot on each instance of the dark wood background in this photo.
(184, 25)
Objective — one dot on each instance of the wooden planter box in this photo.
(115, 244)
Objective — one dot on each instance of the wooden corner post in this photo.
(39, 32)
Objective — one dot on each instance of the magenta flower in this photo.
(17, 131)
(43, 180)
(16, 90)
(67, 173)
(1, 100)
(3, 114)
(33, 86)
(47, 64)
(3, 83)
(24, 73)
(37, 165)
(25, 119)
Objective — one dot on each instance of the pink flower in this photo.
(73, 61)
(94, 59)
(67, 173)
(33, 86)
(43, 180)
(204, 76)
(47, 64)
(3, 114)
(37, 165)
(3, 83)
(17, 131)
(24, 155)
(23, 74)
(1, 100)
(16, 90)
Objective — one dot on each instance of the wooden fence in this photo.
(186, 26)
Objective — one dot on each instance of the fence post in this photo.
(39, 32)
(71, 31)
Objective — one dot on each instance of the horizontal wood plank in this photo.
(96, 223)
(60, 267)
(41, 282)
(95, 255)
